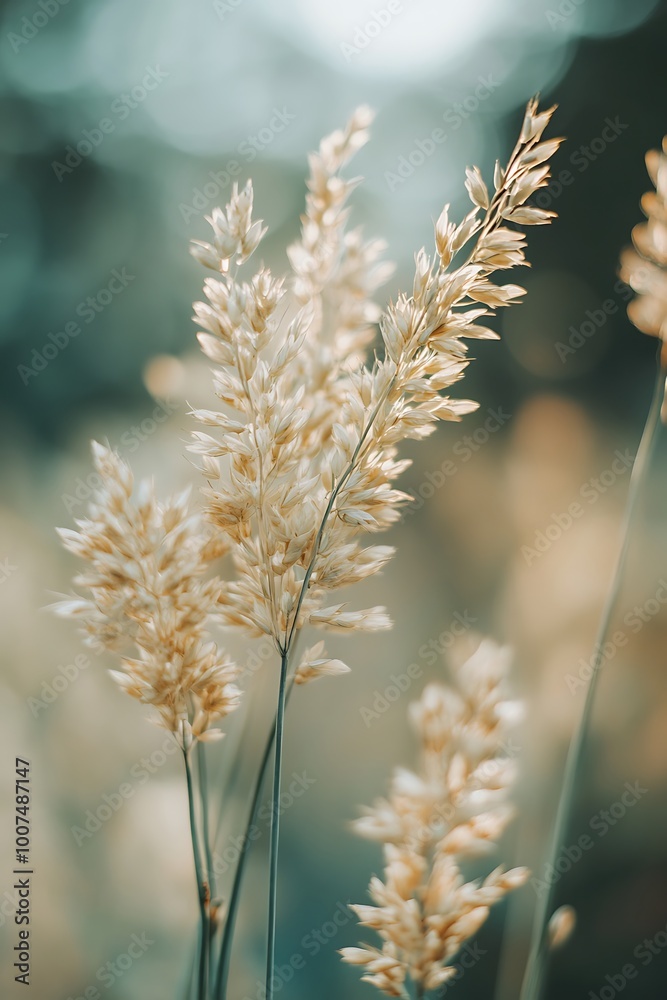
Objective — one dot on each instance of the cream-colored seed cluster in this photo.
(152, 600)
(303, 455)
(283, 372)
(452, 809)
(644, 268)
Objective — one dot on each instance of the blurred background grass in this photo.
(185, 92)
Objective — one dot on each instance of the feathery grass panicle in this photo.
(301, 458)
(149, 597)
(304, 455)
(284, 381)
(644, 267)
(453, 808)
(335, 270)
(310, 431)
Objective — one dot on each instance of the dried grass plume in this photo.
(644, 266)
(151, 595)
(453, 808)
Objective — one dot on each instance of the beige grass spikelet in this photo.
(315, 663)
(561, 926)
(302, 457)
(644, 266)
(152, 600)
(453, 808)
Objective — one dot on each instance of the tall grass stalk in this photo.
(203, 791)
(533, 983)
(275, 826)
(222, 974)
(302, 460)
(202, 890)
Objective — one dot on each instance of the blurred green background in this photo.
(122, 125)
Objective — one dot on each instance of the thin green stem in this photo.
(228, 777)
(208, 857)
(222, 976)
(202, 891)
(533, 983)
(206, 833)
(275, 827)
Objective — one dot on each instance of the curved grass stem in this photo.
(533, 983)
(202, 891)
(275, 826)
(222, 975)
(203, 786)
